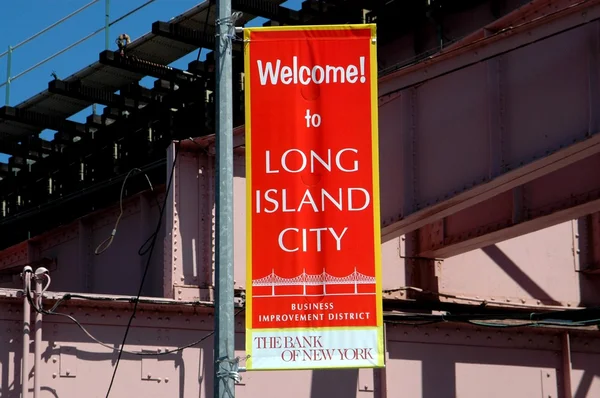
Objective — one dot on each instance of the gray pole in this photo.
(224, 315)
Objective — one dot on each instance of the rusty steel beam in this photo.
(462, 138)
(566, 194)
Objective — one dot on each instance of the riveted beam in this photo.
(566, 194)
(145, 68)
(523, 112)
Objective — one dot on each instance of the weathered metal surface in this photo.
(443, 360)
(535, 269)
(69, 252)
(467, 361)
(568, 193)
(464, 137)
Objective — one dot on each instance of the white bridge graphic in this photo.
(323, 279)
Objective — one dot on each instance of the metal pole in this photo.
(107, 24)
(224, 310)
(27, 271)
(8, 73)
(37, 342)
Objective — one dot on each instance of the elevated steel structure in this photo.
(85, 159)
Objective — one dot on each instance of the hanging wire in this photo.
(105, 244)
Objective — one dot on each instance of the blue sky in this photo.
(23, 18)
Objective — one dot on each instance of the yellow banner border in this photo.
(375, 181)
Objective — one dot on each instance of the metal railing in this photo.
(106, 28)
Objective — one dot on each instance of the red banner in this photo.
(313, 227)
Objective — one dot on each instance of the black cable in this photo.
(205, 25)
(151, 250)
(138, 353)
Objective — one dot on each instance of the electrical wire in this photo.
(151, 250)
(566, 318)
(52, 312)
(105, 244)
(483, 302)
(483, 320)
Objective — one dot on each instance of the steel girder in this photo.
(489, 116)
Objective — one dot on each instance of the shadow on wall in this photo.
(457, 370)
(334, 383)
(10, 387)
(589, 282)
(517, 275)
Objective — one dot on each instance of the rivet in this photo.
(149, 376)
(166, 379)
(54, 360)
(54, 375)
